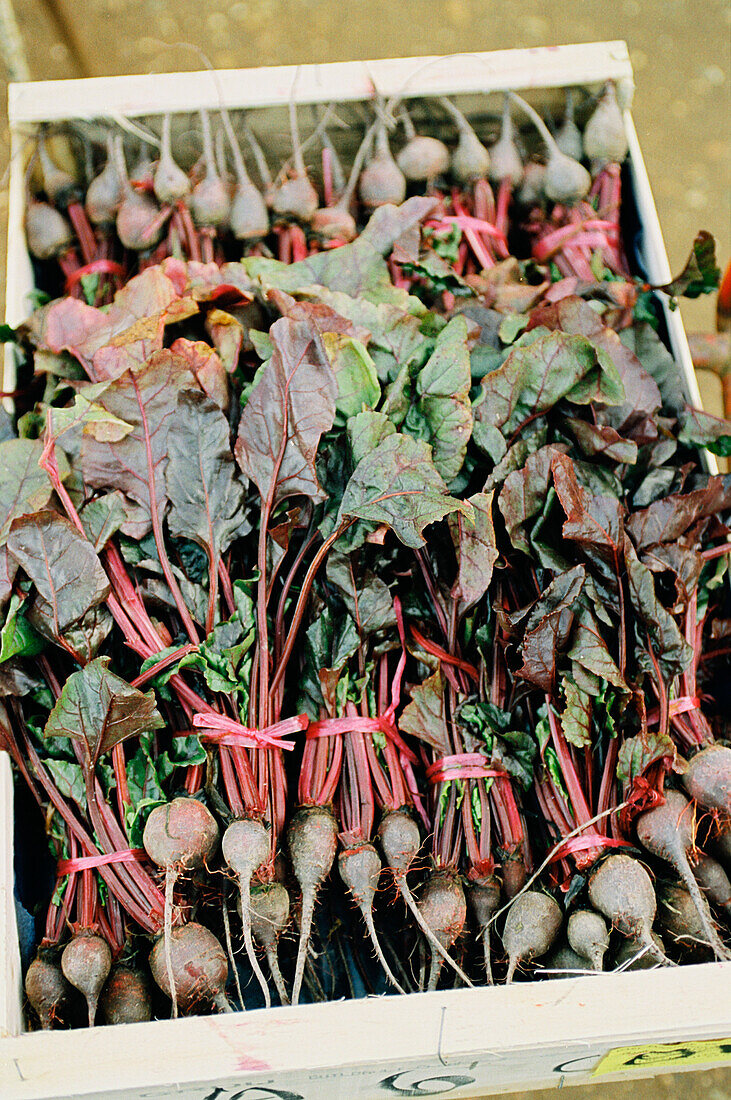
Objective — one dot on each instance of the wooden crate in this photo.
(460, 1043)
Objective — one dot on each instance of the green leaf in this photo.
(290, 407)
(366, 431)
(636, 754)
(87, 417)
(98, 710)
(366, 596)
(443, 386)
(576, 717)
(590, 652)
(644, 342)
(24, 486)
(398, 485)
(69, 778)
(533, 378)
(18, 638)
(102, 517)
(358, 387)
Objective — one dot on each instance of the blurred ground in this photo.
(680, 50)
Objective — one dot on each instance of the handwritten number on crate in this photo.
(253, 1092)
(403, 1084)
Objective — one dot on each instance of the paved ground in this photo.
(681, 52)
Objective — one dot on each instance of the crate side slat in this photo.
(11, 1022)
(137, 95)
(510, 1026)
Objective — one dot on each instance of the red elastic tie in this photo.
(227, 731)
(585, 842)
(329, 727)
(87, 863)
(462, 765)
(96, 267)
(675, 707)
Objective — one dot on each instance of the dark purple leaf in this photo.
(548, 628)
(701, 430)
(594, 522)
(533, 378)
(602, 441)
(700, 275)
(206, 496)
(669, 645)
(62, 564)
(148, 400)
(524, 493)
(289, 408)
(666, 520)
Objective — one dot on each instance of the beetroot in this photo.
(621, 889)
(269, 909)
(47, 990)
(707, 778)
(443, 909)
(531, 926)
(400, 841)
(682, 924)
(667, 831)
(587, 933)
(381, 181)
(245, 846)
(360, 870)
(86, 962)
(484, 898)
(714, 882)
(605, 139)
(195, 961)
(105, 192)
(125, 998)
(179, 836)
(312, 839)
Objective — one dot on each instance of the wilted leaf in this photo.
(398, 485)
(62, 564)
(99, 709)
(290, 407)
(548, 628)
(227, 334)
(700, 275)
(701, 430)
(476, 549)
(424, 716)
(87, 417)
(206, 365)
(671, 648)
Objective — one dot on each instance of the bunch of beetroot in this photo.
(365, 609)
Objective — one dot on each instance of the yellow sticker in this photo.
(665, 1055)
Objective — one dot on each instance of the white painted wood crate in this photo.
(464, 1043)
